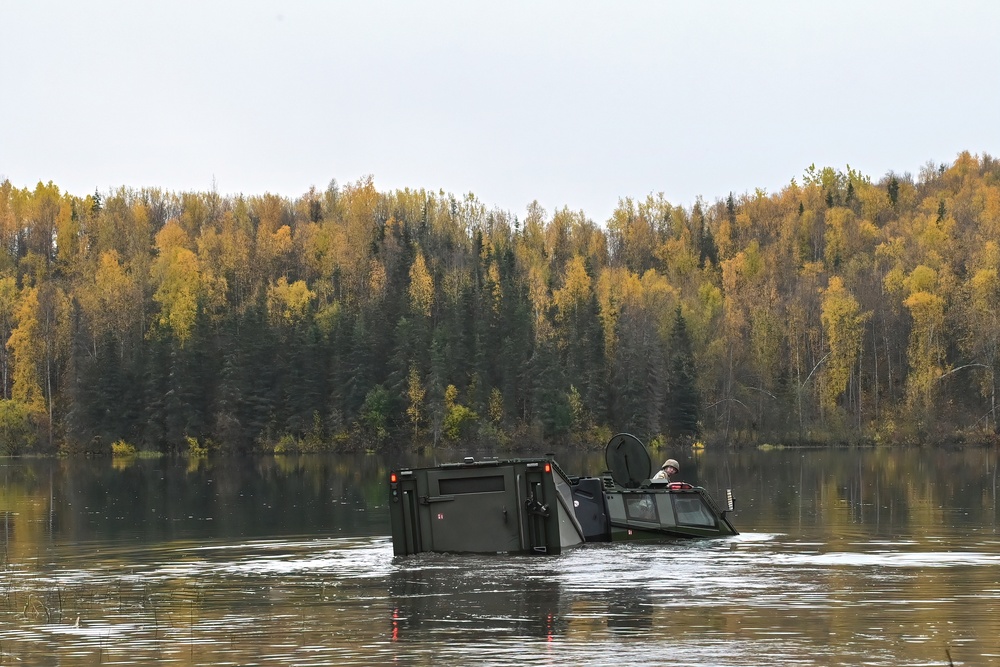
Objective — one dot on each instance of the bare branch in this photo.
(763, 391)
(955, 370)
(818, 363)
(734, 400)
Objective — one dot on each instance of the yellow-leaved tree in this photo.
(843, 327)
(288, 303)
(8, 313)
(572, 299)
(177, 278)
(981, 322)
(415, 394)
(925, 353)
(112, 301)
(40, 344)
(421, 287)
(27, 348)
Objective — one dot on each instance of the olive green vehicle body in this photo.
(531, 506)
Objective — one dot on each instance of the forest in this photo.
(839, 310)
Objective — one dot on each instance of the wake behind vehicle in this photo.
(531, 506)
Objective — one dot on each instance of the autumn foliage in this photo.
(836, 310)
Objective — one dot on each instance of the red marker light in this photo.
(548, 467)
(393, 478)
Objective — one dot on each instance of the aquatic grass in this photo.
(51, 604)
(34, 608)
(101, 613)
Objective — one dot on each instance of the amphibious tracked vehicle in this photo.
(531, 506)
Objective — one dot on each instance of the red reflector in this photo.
(393, 478)
(548, 467)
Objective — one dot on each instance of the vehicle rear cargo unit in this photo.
(514, 506)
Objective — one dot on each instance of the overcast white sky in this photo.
(572, 103)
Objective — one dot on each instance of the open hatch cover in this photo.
(627, 460)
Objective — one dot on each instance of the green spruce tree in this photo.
(682, 398)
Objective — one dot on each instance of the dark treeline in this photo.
(838, 309)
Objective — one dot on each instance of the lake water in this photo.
(845, 557)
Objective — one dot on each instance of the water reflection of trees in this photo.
(888, 490)
(164, 499)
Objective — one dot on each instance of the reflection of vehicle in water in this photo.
(532, 506)
(483, 601)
